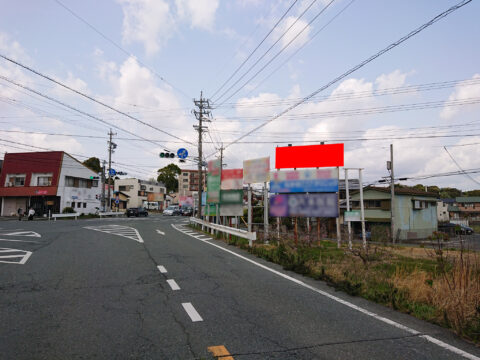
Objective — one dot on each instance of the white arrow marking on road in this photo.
(173, 284)
(194, 315)
(160, 232)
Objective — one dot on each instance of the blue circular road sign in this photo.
(112, 172)
(182, 153)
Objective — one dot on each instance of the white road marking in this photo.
(160, 232)
(22, 233)
(23, 256)
(27, 241)
(346, 303)
(173, 284)
(162, 269)
(119, 230)
(194, 315)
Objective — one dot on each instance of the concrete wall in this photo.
(442, 212)
(71, 167)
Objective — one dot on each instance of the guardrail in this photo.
(55, 216)
(251, 236)
(111, 213)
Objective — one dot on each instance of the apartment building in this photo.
(188, 182)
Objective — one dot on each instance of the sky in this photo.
(252, 59)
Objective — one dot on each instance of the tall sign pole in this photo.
(265, 210)
(362, 209)
(339, 233)
(392, 196)
(347, 195)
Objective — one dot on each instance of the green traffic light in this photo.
(162, 155)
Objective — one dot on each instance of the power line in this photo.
(254, 50)
(355, 68)
(90, 98)
(458, 165)
(273, 58)
(120, 48)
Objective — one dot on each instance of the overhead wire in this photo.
(460, 168)
(357, 67)
(274, 57)
(115, 44)
(256, 48)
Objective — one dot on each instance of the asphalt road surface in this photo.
(151, 288)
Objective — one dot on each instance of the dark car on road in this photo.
(138, 211)
(187, 211)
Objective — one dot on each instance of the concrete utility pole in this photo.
(347, 193)
(111, 147)
(265, 209)
(204, 107)
(362, 208)
(392, 196)
(103, 186)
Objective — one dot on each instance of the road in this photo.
(150, 288)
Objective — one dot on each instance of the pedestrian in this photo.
(31, 212)
(20, 214)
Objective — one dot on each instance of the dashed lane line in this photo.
(160, 232)
(162, 269)
(194, 315)
(173, 284)
(346, 303)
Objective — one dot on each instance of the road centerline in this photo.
(194, 315)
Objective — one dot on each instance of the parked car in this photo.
(172, 210)
(466, 230)
(137, 211)
(187, 211)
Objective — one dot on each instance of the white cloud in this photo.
(296, 27)
(461, 92)
(200, 13)
(394, 79)
(148, 22)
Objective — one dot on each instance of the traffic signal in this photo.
(94, 177)
(167, 155)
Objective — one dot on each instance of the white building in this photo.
(140, 191)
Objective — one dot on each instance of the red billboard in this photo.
(309, 156)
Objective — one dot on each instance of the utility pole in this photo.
(204, 107)
(111, 147)
(347, 194)
(103, 186)
(392, 196)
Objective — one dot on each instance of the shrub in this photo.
(68, 210)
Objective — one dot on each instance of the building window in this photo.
(122, 188)
(95, 183)
(15, 180)
(84, 205)
(185, 186)
(79, 205)
(151, 189)
(73, 204)
(185, 174)
(44, 181)
(185, 180)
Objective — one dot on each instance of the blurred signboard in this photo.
(256, 170)
(302, 181)
(232, 179)
(185, 200)
(213, 181)
(154, 197)
(309, 156)
(231, 210)
(303, 205)
(231, 197)
(353, 215)
(213, 188)
(353, 184)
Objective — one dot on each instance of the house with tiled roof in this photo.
(415, 211)
(465, 209)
